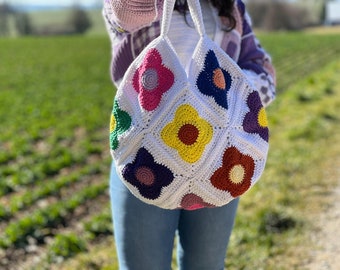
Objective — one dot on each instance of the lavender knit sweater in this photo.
(133, 24)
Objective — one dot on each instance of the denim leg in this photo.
(204, 236)
(144, 234)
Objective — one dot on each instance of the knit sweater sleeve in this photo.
(132, 15)
(255, 61)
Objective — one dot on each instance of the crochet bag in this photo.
(187, 138)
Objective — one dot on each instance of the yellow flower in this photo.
(188, 133)
(262, 118)
(112, 123)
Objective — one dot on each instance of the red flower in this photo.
(235, 174)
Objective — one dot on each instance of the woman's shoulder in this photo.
(241, 7)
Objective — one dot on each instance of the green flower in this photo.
(120, 122)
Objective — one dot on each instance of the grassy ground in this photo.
(324, 30)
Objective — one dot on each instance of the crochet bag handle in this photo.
(195, 11)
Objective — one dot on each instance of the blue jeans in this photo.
(144, 234)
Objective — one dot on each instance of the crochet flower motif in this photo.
(256, 121)
(188, 133)
(146, 175)
(119, 123)
(151, 80)
(235, 174)
(214, 81)
(192, 202)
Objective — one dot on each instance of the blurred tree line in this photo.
(77, 22)
(283, 15)
(266, 14)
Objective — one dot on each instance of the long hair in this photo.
(224, 7)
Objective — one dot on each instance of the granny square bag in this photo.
(187, 138)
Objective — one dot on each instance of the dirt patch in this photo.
(324, 255)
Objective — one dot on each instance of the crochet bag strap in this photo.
(194, 9)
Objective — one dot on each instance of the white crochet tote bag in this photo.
(187, 138)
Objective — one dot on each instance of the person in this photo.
(145, 234)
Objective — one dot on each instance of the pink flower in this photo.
(193, 202)
(151, 80)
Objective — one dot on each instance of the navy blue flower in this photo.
(214, 81)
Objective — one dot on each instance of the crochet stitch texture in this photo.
(187, 138)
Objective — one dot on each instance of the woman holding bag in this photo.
(144, 233)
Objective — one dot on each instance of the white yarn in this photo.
(186, 147)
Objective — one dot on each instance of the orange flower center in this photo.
(218, 79)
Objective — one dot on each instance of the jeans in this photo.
(144, 234)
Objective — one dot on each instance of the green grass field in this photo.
(61, 17)
(55, 103)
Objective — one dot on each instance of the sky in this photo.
(50, 2)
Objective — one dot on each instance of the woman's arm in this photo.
(255, 62)
(131, 15)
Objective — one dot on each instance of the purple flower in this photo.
(146, 175)
(255, 121)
